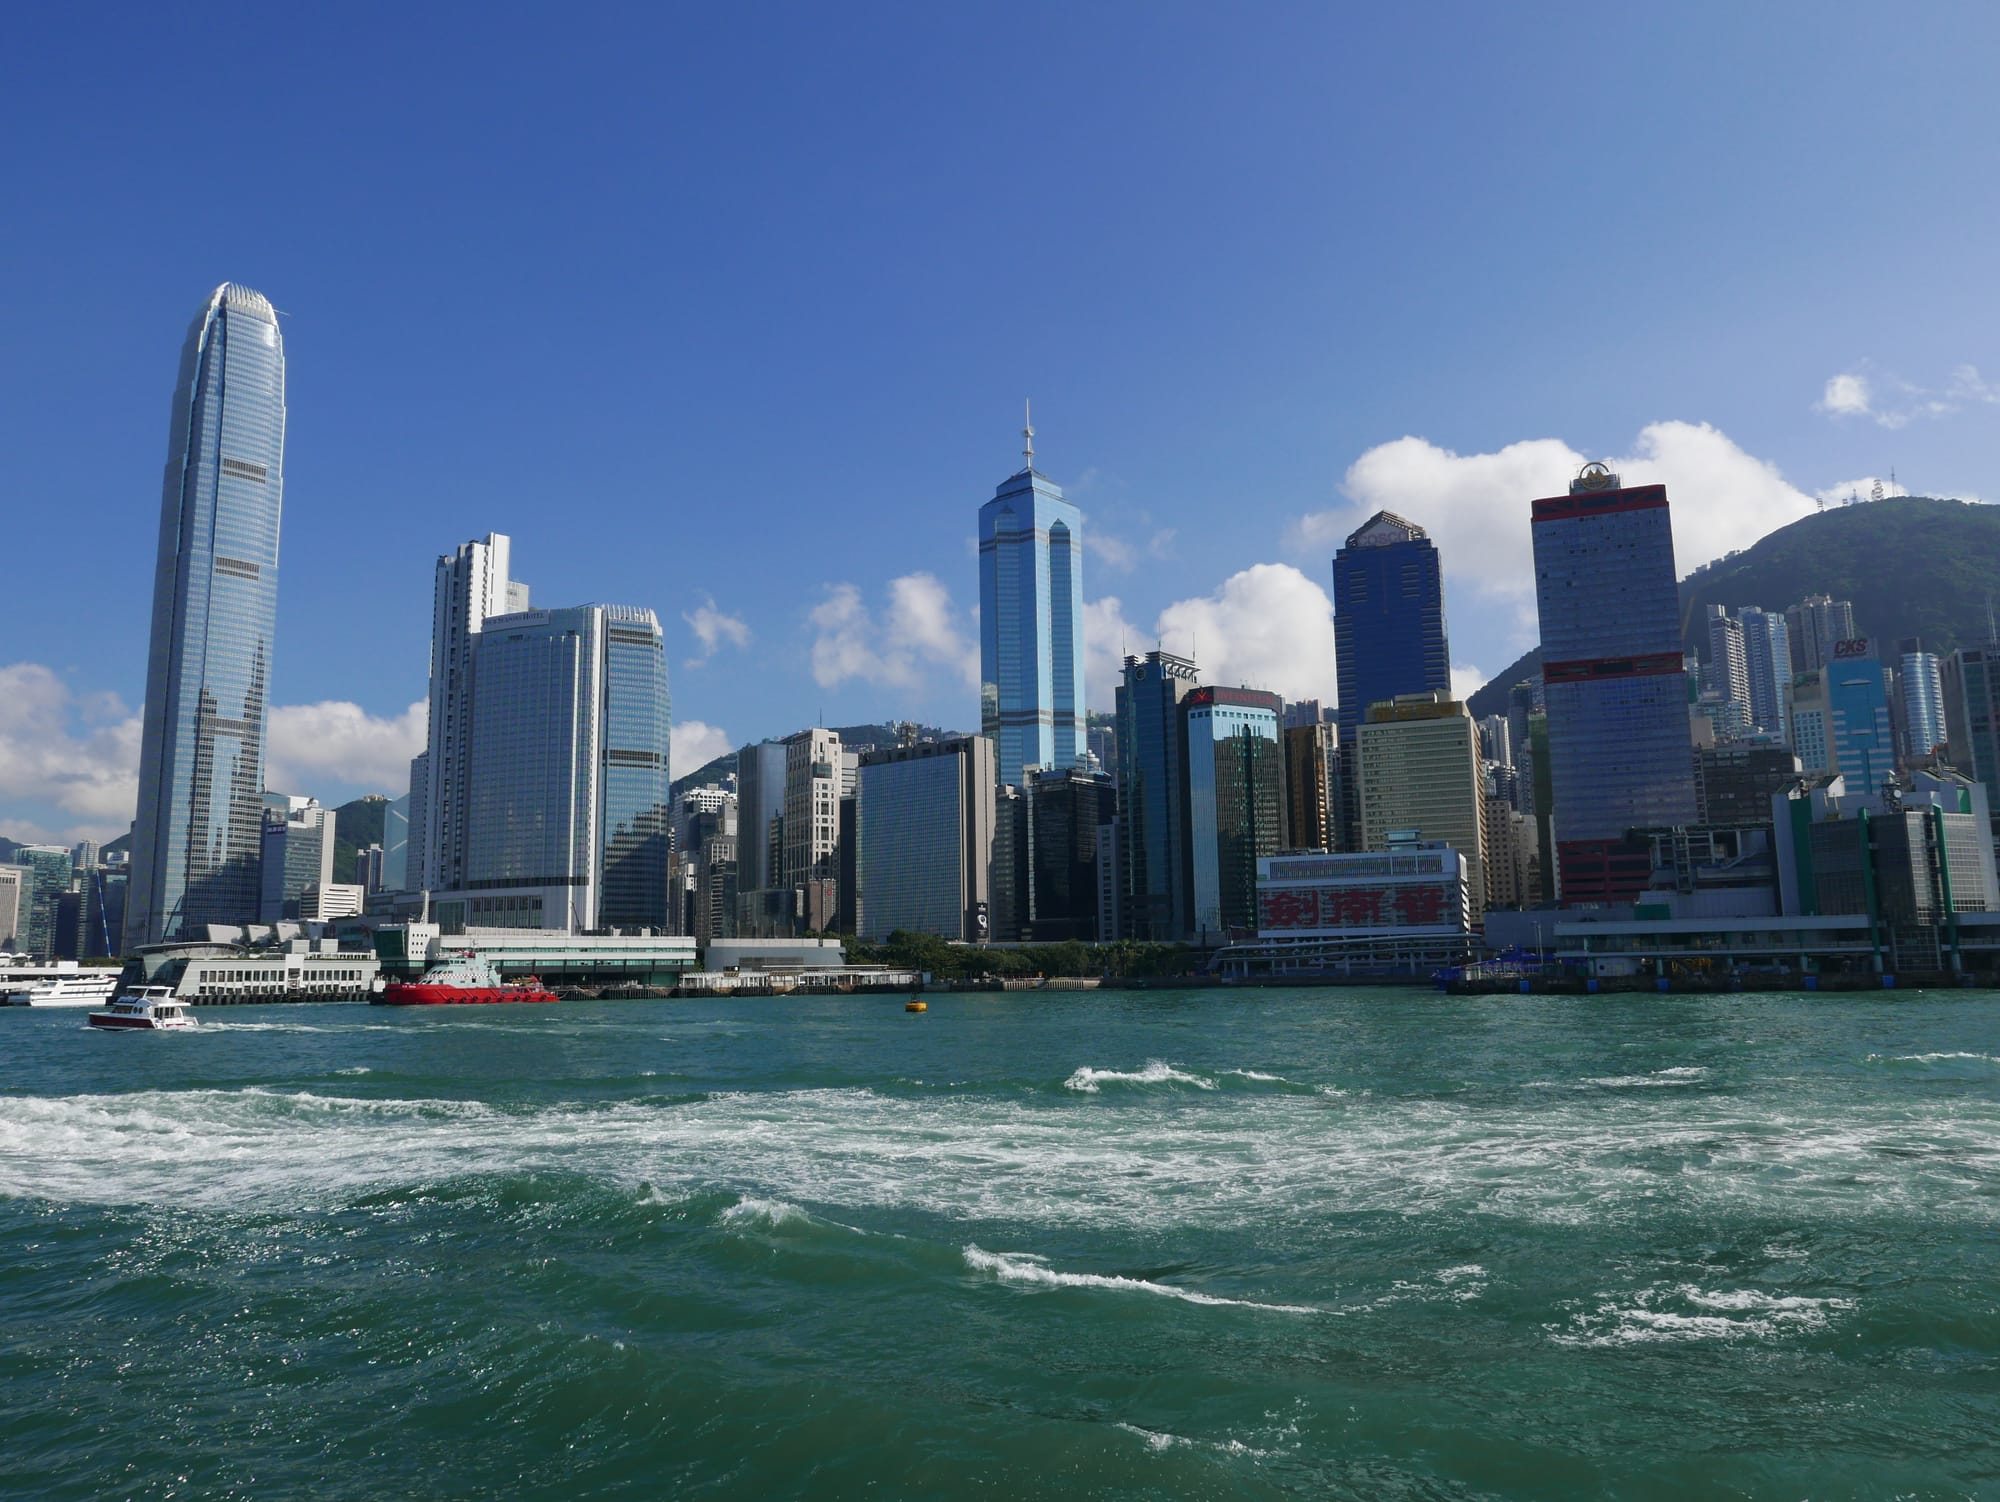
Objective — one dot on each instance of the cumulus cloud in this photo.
(715, 629)
(919, 629)
(64, 754)
(1466, 680)
(1107, 637)
(1890, 401)
(340, 742)
(1475, 506)
(696, 744)
(1268, 626)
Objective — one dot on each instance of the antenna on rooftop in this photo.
(1028, 431)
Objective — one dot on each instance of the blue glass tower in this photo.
(1615, 680)
(215, 596)
(1031, 623)
(1388, 629)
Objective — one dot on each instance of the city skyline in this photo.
(1224, 406)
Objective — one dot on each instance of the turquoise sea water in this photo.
(1368, 1244)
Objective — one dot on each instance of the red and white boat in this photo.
(462, 980)
(150, 1009)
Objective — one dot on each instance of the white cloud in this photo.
(1893, 402)
(1267, 627)
(1847, 395)
(1107, 637)
(715, 628)
(918, 630)
(1466, 680)
(1862, 489)
(1475, 506)
(696, 744)
(64, 754)
(1112, 552)
(337, 741)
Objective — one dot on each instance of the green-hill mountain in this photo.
(1913, 566)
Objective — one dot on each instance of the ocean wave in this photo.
(1028, 1269)
(1011, 1155)
(1935, 1058)
(1682, 1075)
(770, 1214)
(1682, 1312)
(1157, 1072)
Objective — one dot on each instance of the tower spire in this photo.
(1028, 432)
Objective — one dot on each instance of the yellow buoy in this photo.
(916, 1006)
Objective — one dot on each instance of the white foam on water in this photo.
(1940, 1058)
(1681, 1312)
(1161, 1440)
(1683, 1075)
(355, 1069)
(1248, 1158)
(1035, 1272)
(1254, 1074)
(1156, 1072)
(771, 1213)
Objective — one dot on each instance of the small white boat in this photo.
(149, 1009)
(72, 988)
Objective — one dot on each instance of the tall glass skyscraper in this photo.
(1031, 623)
(1152, 796)
(1388, 629)
(215, 599)
(1614, 678)
(565, 794)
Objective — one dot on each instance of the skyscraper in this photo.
(924, 831)
(1864, 747)
(1814, 625)
(1031, 623)
(1151, 794)
(1614, 680)
(470, 585)
(565, 789)
(1388, 628)
(1728, 660)
(1235, 809)
(1923, 703)
(1419, 771)
(1767, 659)
(215, 599)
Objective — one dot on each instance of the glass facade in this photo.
(1151, 783)
(45, 879)
(1864, 746)
(1767, 657)
(1031, 626)
(215, 587)
(567, 771)
(924, 836)
(1388, 628)
(1615, 681)
(1235, 804)
(634, 812)
(1063, 812)
(1923, 703)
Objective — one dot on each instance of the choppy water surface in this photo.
(1367, 1244)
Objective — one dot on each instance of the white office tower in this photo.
(470, 585)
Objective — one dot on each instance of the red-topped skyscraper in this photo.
(1615, 680)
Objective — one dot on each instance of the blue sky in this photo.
(730, 312)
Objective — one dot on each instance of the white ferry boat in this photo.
(71, 988)
(149, 1009)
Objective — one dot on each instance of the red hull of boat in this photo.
(416, 994)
